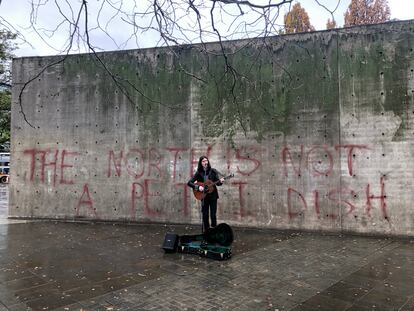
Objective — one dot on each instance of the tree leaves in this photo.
(361, 12)
(297, 20)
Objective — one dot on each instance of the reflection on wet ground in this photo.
(4, 200)
(72, 266)
(49, 265)
(84, 266)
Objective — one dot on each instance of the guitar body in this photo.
(201, 195)
(210, 185)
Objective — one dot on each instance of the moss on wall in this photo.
(258, 87)
(261, 86)
(149, 80)
(374, 73)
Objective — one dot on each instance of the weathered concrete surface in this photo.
(69, 266)
(317, 127)
(4, 207)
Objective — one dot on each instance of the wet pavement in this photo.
(4, 200)
(85, 266)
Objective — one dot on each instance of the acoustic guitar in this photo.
(208, 187)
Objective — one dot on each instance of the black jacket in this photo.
(212, 175)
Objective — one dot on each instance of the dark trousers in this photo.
(209, 206)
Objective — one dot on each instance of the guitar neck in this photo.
(216, 182)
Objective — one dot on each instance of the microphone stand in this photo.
(202, 202)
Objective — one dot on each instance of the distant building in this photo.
(4, 166)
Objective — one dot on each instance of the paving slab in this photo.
(104, 266)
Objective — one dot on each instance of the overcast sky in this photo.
(17, 12)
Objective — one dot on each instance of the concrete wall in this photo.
(318, 129)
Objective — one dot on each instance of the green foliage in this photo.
(5, 100)
(6, 48)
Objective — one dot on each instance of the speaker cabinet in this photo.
(170, 243)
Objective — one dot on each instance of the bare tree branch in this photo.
(330, 11)
(172, 22)
(253, 5)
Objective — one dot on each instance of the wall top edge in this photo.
(212, 43)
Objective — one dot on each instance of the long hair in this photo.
(200, 167)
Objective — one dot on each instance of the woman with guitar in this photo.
(204, 184)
